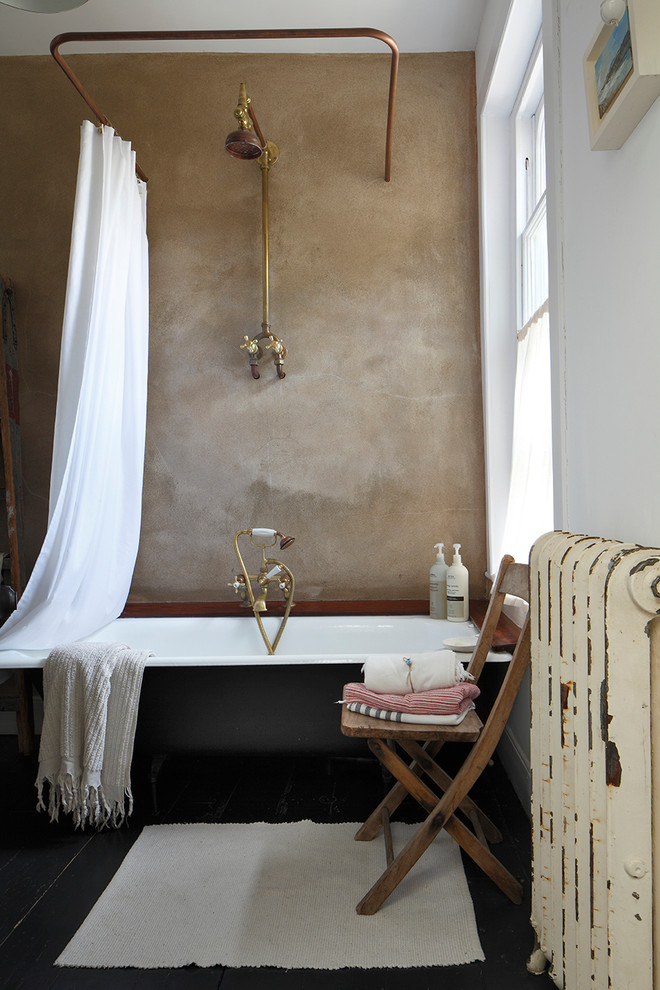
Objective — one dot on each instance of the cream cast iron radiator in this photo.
(594, 647)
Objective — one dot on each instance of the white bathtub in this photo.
(210, 641)
(211, 686)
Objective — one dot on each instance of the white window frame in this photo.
(529, 509)
(531, 214)
(509, 35)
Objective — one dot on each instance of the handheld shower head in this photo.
(267, 538)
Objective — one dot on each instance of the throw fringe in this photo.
(86, 803)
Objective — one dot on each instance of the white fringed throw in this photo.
(91, 697)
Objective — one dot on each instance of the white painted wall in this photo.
(605, 215)
(604, 240)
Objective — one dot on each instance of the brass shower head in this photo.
(243, 142)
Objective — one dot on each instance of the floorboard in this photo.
(52, 875)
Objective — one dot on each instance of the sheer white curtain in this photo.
(82, 576)
(530, 506)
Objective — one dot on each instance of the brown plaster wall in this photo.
(371, 449)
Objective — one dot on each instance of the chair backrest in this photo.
(512, 579)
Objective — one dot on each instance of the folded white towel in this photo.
(394, 673)
(91, 697)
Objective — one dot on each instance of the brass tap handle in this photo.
(251, 346)
(275, 344)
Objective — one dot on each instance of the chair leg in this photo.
(422, 763)
(387, 830)
(484, 859)
(408, 779)
(440, 816)
(397, 870)
(444, 781)
(372, 826)
(419, 843)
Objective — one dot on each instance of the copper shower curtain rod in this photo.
(284, 33)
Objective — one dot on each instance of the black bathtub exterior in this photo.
(244, 709)
(270, 708)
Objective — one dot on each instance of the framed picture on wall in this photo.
(622, 74)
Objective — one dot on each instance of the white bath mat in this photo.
(275, 895)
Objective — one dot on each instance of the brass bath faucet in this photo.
(271, 571)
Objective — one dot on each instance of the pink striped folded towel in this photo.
(438, 701)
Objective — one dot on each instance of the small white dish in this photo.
(461, 644)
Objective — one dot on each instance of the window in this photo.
(531, 221)
(530, 507)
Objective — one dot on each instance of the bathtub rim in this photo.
(504, 641)
(505, 638)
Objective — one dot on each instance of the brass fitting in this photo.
(241, 111)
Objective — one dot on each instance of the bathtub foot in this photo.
(156, 765)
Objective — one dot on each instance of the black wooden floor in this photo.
(51, 875)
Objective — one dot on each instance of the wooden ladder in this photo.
(15, 695)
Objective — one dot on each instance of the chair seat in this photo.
(367, 727)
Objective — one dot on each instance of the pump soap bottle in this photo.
(458, 596)
(438, 586)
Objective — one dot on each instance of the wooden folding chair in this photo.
(421, 743)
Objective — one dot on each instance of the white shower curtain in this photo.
(83, 574)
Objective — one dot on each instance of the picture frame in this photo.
(622, 74)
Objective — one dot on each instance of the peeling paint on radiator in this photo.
(593, 879)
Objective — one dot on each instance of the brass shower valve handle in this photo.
(255, 352)
(271, 342)
(251, 346)
(275, 344)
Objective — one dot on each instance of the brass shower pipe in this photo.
(278, 34)
(243, 144)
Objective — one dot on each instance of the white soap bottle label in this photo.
(437, 598)
(438, 586)
(456, 604)
(458, 582)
